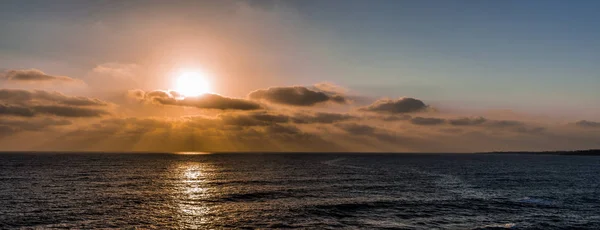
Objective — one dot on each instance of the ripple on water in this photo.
(162, 191)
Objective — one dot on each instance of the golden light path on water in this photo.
(193, 153)
(190, 194)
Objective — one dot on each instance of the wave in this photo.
(536, 201)
(498, 226)
(454, 185)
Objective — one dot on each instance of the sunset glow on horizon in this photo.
(236, 75)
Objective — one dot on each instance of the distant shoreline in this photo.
(590, 152)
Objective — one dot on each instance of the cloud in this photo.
(330, 88)
(34, 124)
(253, 119)
(369, 131)
(19, 96)
(212, 101)
(465, 121)
(402, 105)
(588, 124)
(275, 131)
(24, 103)
(505, 123)
(489, 125)
(283, 129)
(11, 126)
(205, 101)
(264, 118)
(295, 96)
(52, 120)
(402, 117)
(358, 129)
(427, 121)
(320, 117)
(188, 134)
(56, 110)
(68, 111)
(16, 110)
(34, 75)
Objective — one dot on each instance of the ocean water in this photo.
(313, 191)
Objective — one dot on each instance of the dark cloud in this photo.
(505, 123)
(514, 126)
(366, 130)
(12, 126)
(206, 101)
(402, 105)
(283, 129)
(23, 103)
(588, 124)
(263, 118)
(320, 117)
(15, 95)
(465, 121)
(427, 121)
(451, 130)
(16, 111)
(402, 117)
(295, 96)
(213, 101)
(33, 124)
(19, 96)
(56, 110)
(68, 111)
(530, 130)
(253, 119)
(34, 75)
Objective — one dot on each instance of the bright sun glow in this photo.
(192, 83)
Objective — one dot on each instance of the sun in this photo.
(192, 83)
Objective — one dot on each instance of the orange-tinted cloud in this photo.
(24, 103)
(34, 75)
(205, 101)
(49, 120)
(427, 121)
(295, 96)
(402, 105)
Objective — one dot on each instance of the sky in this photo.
(414, 76)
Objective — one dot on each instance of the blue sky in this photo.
(526, 55)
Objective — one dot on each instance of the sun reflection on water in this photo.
(190, 194)
(193, 153)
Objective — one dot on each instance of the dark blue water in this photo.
(318, 191)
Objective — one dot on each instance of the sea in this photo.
(300, 190)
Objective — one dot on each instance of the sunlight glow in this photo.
(192, 153)
(192, 83)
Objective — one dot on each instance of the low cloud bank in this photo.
(24, 103)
